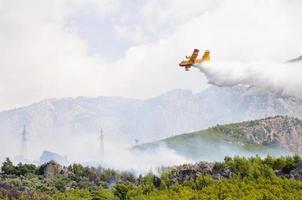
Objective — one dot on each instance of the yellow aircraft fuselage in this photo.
(191, 60)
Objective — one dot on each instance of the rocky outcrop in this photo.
(280, 130)
(191, 171)
(297, 172)
(218, 171)
(52, 168)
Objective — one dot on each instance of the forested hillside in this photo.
(279, 135)
(234, 178)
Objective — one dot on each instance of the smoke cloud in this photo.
(116, 153)
(262, 77)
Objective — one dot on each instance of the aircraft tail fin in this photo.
(206, 56)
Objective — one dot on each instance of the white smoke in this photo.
(262, 77)
(116, 153)
(142, 162)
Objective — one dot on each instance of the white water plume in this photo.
(281, 78)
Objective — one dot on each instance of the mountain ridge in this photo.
(125, 119)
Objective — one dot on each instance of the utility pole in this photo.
(23, 142)
(101, 145)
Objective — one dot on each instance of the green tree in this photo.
(23, 169)
(121, 190)
(103, 194)
(8, 167)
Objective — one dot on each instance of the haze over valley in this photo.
(71, 126)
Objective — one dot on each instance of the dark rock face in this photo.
(191, 171)
(221, 172)
(52, 168)
(297, 172)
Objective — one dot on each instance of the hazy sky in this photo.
(59, 48)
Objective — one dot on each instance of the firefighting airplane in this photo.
(192, 59)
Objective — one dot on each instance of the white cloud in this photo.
(42, 57)
(149, 21)
(133, 33)
(236, 30)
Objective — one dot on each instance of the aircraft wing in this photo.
(194, 55)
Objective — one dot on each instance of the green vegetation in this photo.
(250, 178)
(19, 170)
(229, 139)
(232, 133)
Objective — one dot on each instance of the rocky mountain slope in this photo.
(172, 113)
(280, 135)
(273, 131)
